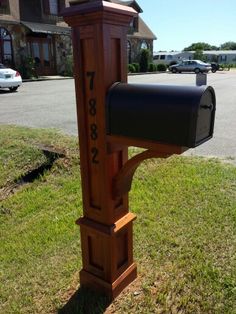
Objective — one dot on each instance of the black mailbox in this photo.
(180, 115)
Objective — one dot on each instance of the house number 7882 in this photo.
(93, 112)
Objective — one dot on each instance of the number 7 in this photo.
(91, 83)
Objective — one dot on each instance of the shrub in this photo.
(228, 66)
(225, 66)
(144, 60)
(27, 68)
(131, 68)
(137, 67)
(152, 67)
(161, 67)
(69, 65)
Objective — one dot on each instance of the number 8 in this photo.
(92, 107)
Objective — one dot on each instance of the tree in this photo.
(200, 46)
(229, 45)
(198, 55)
(144, 60)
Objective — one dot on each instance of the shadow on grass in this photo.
(85, 301)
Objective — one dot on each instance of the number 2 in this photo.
(94, 152)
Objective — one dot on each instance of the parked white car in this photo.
(9, 78)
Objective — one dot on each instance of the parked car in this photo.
(214, 67)
(196, 66)
(9, 78)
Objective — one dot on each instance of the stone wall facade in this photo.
(63, 47)
(136, 45)
(18, 39)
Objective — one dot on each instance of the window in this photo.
(135, 24)
(41, 49)
(162, 57)
(4, 7)
(36, 53)
(129, 51)
(53, 7)
(3, 3)
(6, 54)
(46, 55)
(144, 45)
(223, 58)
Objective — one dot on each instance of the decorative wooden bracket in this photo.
(123, 180)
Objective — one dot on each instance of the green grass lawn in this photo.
(184, 235)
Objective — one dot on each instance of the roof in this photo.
(172, 53)
(215, 52)
(144, 31)
(220, 52)
(208, 52)
(46, 28)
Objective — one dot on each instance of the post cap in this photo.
(81, 7)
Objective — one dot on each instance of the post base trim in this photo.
(111, 290)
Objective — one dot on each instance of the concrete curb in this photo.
(47, 78)
(57, 77)
(147, 73)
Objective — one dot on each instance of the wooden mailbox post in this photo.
(99, 34)
(99, 31)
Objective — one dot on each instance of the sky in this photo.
(179, 23)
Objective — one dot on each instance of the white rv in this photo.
(173, 56)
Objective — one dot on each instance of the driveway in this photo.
(51, 104)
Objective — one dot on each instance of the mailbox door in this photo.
(206, 117)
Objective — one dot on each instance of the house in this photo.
(34, 29)
(140, 35)
(220, 56)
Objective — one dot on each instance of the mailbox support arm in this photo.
(123, 180)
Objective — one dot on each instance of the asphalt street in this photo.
(51, 104)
